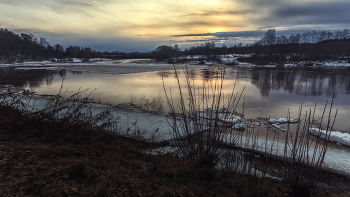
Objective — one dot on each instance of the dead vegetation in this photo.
(65, 149)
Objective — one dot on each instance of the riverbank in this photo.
(102, 67)
(95, 163)
(127, 66)
(70, 153)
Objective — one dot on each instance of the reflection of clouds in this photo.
(76, 72)
(274, 90)
(164, 74)
(282, 90)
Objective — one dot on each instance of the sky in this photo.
(142, 25)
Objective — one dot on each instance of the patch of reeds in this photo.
(197, 129)
(74, 119)
(305, 154)
(152, 104)
(203, 133)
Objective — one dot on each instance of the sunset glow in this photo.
(157, 21)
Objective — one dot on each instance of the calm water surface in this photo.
(269, 92)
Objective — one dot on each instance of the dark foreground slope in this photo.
(100, 164)
(53, 158)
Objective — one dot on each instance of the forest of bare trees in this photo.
(18, 48)
(311, 45)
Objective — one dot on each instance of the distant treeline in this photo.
(309, 45)
(17, 48)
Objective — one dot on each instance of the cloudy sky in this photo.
(142, 25)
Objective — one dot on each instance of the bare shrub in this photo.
(153, 104)
(201, 133)
(304, 154)
(199, 122)
(74, 118)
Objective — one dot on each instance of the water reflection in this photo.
(269, 92)
(31, 78)
(164, 74)
(303, 82)
(311, 82)
(76, 72)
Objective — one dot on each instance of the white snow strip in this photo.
(282, 121)
(99, 59)
(335, 136)
(256, 124)
(76, 60)
(36, 68)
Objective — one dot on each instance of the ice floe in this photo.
(335, 136)
(277, 123)
(282, 121)
(238, 126)
(224, 116)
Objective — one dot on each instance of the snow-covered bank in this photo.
(198, 60)
(232, 59)
(103, 67)
(38, 68)
(327, 63)
(55, 62)
(334, 136)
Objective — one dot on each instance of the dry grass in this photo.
(105, 165)
(203, 137)
(66, 150)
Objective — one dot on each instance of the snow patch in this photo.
(37, 68)
(277, 123)
(282, 121)
(239, 126)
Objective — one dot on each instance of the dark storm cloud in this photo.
(286, 13)
(60, 6)
(239, 35)
(294, 16)
(314, 13)
(232, 12)
(208, 40)
(165, 23)
(226, 34)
